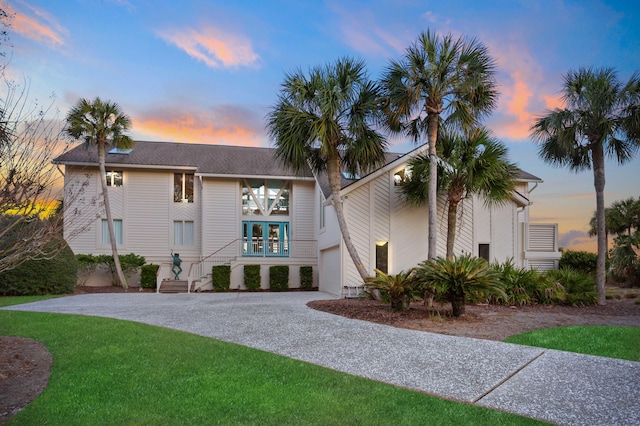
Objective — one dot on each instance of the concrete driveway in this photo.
(556, 386)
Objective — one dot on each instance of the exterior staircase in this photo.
(174, 286)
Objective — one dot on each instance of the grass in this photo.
(608, 341)
(17, 300)
(107, 371)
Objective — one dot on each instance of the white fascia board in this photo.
(129, 166)
(238, 176)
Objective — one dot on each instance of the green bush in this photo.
(148, 275)
(221, 277)
(522, 286)
(581, 261)
(279, 277)
(252, 277)
(306, 277)
(580, 288)
(57, 275)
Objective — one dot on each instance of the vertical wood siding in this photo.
(221, 213)
(303, 211)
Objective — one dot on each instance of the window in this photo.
(265, 197)
(117, 230)
(401, 176)
(382, 256)
(183, 187)
(265, 238)
(483, 251)
(183, 233)
(114, 178)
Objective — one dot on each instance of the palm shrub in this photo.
(522, 286)
(398, 290)
(454, 278)
(580, 288)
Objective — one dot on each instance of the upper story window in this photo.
(401, 176)
(114, 178)
(265, 197)
(183, 187)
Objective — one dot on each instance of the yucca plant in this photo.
(398, 289)
(454, 278)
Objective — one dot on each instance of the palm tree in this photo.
(438, 75)
(601, 119)
(471, 164)
(100, 124)
(324, 120)
(622, 216)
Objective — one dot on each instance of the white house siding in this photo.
(357, 210)
(148, 221)
(303, 217)
(409, 227)
(220, 214)
(464, 228)
(503, 226)
(83, 204)
(330, 276)
(381, 208)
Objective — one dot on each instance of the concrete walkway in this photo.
(559, 387)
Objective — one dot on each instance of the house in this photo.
(216, 204)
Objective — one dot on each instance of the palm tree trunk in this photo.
(597, 154)
(452, 214)
(107, 208)
(432, 136)
(333, 172)
(458, 308)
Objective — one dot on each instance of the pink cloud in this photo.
(35, 24)
(360, 30)
(227, 125)
(214, 47)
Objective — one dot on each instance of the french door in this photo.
(265, 238)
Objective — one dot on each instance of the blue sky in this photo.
(208, 71)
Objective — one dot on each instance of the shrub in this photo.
(516, 283)
(580, 288)
(221, 277)
(398, 290)
(582, 261)
(306, 277)
(454, 278)
(279, 277)
(57, 275)
(148, 274)
(128, 262)
(87, 264)
(252, 277)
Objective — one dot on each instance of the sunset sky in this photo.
(209, 71)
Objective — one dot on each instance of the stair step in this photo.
(174, 286)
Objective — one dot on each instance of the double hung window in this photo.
(117, 230)
(183, 233)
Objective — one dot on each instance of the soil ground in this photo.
(25, 364)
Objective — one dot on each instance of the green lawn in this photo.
(612, 342)
(17, 300)
(108, 372)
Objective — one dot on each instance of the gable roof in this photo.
(206, 160)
